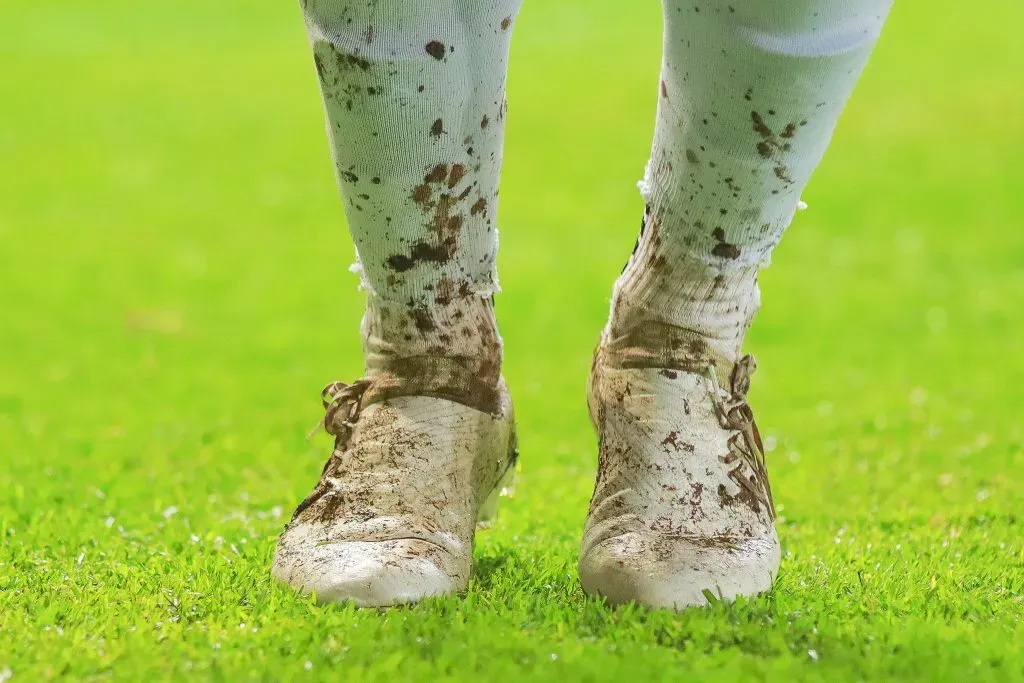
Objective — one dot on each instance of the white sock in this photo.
(750, 94)
(415, 99)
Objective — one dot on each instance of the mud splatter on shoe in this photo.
(392, 518)
(682, 508)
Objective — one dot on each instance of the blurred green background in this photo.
(174, 292)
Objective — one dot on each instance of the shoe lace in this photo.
(746, 449)
(342, 405)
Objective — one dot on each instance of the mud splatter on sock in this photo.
(749, 96)
(414, 94)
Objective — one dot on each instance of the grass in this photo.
(173, 294)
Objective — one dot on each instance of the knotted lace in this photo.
(342, 405)
(746, 450)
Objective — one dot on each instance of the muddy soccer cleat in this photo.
(392, 518)
(682, 512)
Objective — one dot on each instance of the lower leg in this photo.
(749, 96)
(414, 96)
(415, 100)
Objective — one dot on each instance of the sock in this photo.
(749, 96)
(414, 94)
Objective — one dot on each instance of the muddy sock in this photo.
(750, 94)
(414, 94)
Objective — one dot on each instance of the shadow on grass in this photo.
(487, 570)
(537, 587)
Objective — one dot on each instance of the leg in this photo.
(414, 97)
(749, 96)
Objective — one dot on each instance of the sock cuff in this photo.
(451, 349)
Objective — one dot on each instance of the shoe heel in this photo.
(506, 486)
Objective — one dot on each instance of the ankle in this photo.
(680, 296)
(448, 349)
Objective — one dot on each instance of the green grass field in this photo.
(174, 293)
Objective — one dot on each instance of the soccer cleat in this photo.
(391, 520)
(682, 511)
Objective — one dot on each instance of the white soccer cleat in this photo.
(682, 512)
(392, 519)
